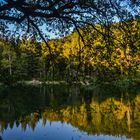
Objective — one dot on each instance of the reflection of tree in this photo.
(111, 116)
(30, 120)
(103, 113)
(0, 132)
(95, 115)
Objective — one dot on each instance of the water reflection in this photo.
(53, 131)
(73, 113)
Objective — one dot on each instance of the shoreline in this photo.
(124, 83)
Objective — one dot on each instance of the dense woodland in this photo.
(103, 53)
(90, 46)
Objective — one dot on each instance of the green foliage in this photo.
(107, 54)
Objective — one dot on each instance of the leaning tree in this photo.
(62, 16)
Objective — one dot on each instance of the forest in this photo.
(69, 69)
(102, 54)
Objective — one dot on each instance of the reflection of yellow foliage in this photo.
(96, 119)
(53, 116)
(66, 114)
(31, 120)
(137, 100)
(82, 115)
(120, 112)
(95, 113)
(116, 107)
(94, 106)
(137, 109)
(44, 117)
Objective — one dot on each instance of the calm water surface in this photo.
(69, 113)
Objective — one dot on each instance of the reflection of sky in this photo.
(52, 131)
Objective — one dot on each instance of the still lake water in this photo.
(69, 113)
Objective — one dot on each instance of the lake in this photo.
(62, 112)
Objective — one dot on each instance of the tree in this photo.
(60, 16)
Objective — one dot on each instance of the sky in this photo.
(51, 34)
(13, 28)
